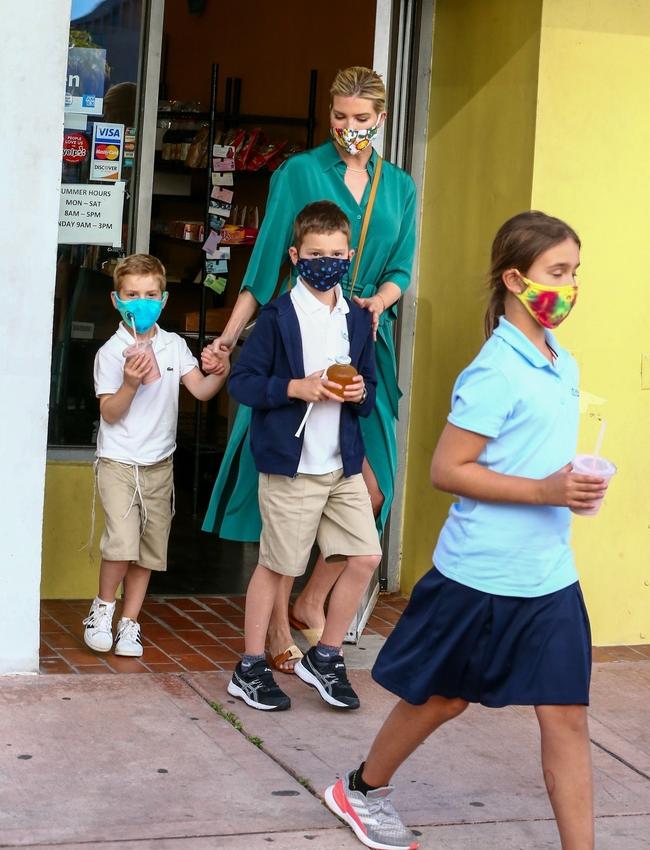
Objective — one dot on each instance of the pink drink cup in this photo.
(145, 346)
(598, 467)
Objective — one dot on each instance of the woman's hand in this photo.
(570, 490)
(375, 306)
(313, 388)
(354, 391)
(224, 344)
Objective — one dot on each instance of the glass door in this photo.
(107, 161)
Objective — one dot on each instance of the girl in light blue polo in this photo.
(500, 619)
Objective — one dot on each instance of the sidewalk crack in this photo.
(234, 720)
(620, 759)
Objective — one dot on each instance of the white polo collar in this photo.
(309, 304)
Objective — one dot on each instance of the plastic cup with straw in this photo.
(144, 346)
(594, 465)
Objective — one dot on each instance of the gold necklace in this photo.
(357, 170)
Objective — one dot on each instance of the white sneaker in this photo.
(98, 634)
(128, 640)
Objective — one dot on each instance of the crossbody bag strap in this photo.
(366, 222)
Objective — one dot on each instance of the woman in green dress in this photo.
(340, 170)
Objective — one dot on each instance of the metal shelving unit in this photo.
(231, 116)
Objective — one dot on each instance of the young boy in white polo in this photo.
(310, 484)
(138, 404)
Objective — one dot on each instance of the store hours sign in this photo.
(91, 214)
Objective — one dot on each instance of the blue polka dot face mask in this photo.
(323, 273)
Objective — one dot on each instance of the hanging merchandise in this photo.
(216, 284)
(219, 179)
(216, 266)
(220, 193)
(212, 242)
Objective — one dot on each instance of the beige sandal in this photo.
(312, 636)
(291, 653)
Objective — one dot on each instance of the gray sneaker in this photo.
(372, 817)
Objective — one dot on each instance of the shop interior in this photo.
(256, 78)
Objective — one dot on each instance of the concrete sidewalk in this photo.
(146, 762)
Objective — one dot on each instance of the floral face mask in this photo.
(353, 141)
(548, 305)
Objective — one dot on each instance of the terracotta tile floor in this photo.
(179, 633)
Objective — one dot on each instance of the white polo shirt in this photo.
(146, 434)
(324, 335)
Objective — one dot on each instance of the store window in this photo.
(95, 221)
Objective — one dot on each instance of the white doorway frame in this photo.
(402, 27)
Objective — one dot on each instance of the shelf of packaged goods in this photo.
(177, 166)
(195, 197)
(196, 242)
(234, 120)
(173, 166)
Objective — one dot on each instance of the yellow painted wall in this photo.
(68, 572)
(479, 170)
(592, 166)
(550, 112)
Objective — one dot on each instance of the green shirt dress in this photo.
(318, 174)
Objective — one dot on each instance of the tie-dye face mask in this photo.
(548, 305)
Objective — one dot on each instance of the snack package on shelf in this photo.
(236, 234)
(246, 149)
(264, 154)
(246, 216)
(176, 144)
(197, 154)
(283, 155)
(190, 231)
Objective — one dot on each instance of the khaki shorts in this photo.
(137, 502)
(330, 509)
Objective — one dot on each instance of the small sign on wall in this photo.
(85, 80)
(108, 149)
(91, 215)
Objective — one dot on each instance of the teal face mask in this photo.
(143, 312)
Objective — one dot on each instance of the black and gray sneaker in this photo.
(257, 687)
(329, 677)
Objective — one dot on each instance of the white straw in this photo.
(301, 427)
(599, 441)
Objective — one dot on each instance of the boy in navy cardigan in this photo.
(310, 484)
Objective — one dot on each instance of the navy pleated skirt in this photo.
(457, 642)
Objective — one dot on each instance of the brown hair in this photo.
(140, 264)
(358, 81)
(517, 245)
(320, 217)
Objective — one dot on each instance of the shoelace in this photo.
(129, 630)
(100, 618)
(383, 806)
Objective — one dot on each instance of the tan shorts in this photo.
(137, 502)
(329, 509)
